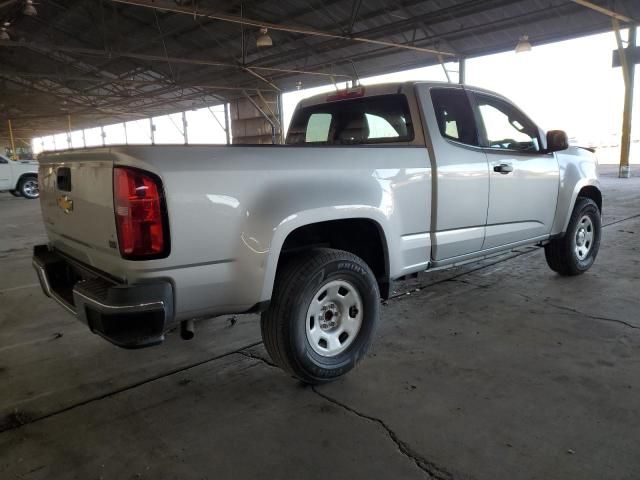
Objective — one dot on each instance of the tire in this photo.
(317, 295)
(15, 193)
(28, 187)
(575, 252)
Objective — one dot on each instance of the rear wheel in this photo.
(15, 193)
(575, 252)
(28, 188)
(323, 315)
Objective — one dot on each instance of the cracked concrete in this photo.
(575, 310)
(431, 471)
(494, 370)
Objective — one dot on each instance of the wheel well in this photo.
(25, 175)
(359, 236)
(593, 193)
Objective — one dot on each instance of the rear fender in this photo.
(324, 214)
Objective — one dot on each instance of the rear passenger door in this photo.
(460, 173)
(524, 180)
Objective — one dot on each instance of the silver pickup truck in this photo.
(374, 184)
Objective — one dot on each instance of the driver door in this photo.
(523, 180)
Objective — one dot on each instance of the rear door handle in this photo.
(503, 168)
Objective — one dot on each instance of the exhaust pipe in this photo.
(187, 331)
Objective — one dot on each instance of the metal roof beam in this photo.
(123, 81)
(172, 7)
(604, 11)
(157, 58)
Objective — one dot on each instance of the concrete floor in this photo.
(497, 370)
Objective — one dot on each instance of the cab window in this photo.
(505, 127)
(455, 115)
(318, 128)
(361, 121)
(379, 127)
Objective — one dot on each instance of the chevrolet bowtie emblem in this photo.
(65, 203)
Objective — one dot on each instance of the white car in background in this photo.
(20, 178)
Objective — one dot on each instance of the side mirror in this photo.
(557, 141)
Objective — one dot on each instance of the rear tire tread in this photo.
(275, 322)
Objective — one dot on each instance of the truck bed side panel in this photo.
(231, 208)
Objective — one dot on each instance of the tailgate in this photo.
(76, 196)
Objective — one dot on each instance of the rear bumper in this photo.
(130, 316)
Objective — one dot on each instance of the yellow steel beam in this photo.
(13, 143)
(628, 71)
(621, 51)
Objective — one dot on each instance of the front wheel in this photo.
(575, 252)
(323, 314)
(28, 188)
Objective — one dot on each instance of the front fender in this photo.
(578, 169)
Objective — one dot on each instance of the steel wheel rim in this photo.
(334, 318)
(31, 188)
(584, 237)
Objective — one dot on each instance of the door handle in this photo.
(503, 168)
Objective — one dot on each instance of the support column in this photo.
(152, 128)
(14, 155)
(227, 124)
(281, 119)
(462, 71)
(629, 68)
(69, 131)
(184, 128)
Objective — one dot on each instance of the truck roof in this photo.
(390, 88)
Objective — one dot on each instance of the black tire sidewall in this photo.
(590, 209)
(326, 368)
(21, 188)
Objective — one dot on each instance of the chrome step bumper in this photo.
(130, 316)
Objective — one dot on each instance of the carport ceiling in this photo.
(105, 61)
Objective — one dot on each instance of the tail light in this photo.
(141, 215)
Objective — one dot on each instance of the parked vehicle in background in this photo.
(375, 184)
(19, 177)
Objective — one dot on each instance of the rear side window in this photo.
(454, 115)
(369, 120)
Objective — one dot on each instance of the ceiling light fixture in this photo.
(264, 40)
(29, 9)
(4, 35)
(523, 44)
